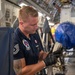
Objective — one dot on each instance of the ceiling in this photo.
(51, 8)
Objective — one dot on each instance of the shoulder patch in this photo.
(26, 44)
(16, 49)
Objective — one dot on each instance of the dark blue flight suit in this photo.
(27, 48)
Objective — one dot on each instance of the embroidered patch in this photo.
(16, 49)
(26, 44)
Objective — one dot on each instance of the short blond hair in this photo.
(27, 11)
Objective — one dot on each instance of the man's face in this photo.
(31, 25)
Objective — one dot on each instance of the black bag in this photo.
(6, 51)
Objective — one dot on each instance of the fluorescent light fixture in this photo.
(0, 4)
(22, 4)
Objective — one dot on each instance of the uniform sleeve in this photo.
(17, 52)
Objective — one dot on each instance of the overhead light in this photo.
(0, 4)
(22, 4)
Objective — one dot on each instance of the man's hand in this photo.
(50, 59)
(42, 55)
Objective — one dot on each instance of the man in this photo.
(29, 57)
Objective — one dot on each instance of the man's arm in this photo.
(20, 67)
